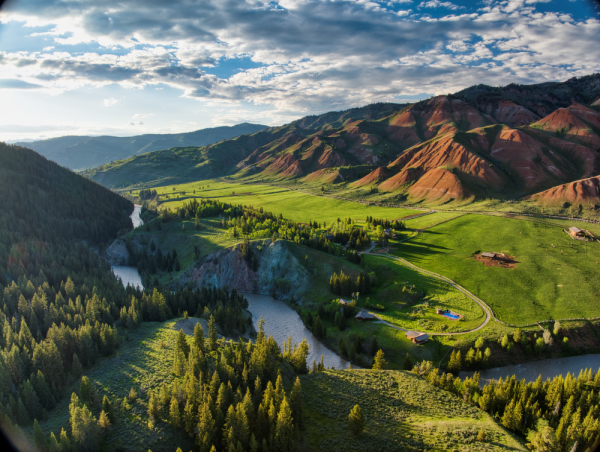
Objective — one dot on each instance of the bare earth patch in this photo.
(507, 262)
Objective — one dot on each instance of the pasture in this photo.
(293, 205)
(555, 277)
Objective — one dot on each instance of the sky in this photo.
(128, 67)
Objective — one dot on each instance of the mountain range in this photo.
(537, 142)
(83, 152)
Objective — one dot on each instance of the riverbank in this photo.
(546, 368)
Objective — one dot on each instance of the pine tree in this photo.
(356, 420)
(374, 346)
(199, 338)
(342, 323)
(189, 418)
(343, 348)
(317, 328)
(108, 408)
(103, 421)
(296, 403)
(212, 333)
(206, 429)
(407, 365)
(65, 443)
(38, 437)
(455, 363)
(182, 344)
(153, 407)
(284, 430)
(379, 362)
(174, 416)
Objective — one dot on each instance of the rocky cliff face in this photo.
(279, 273)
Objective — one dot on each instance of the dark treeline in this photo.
(344, 285)
(561, 414)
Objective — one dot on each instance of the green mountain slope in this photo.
(81, 152)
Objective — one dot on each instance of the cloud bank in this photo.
(308, 56)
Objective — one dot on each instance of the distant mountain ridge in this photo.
(482, 142)
(83, 152)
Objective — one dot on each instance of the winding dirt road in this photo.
(489, 314)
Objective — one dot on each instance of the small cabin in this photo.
(576, 232)
(388, 232)
(343, 302)
(364, 315)
(417, 338)
(329, 236)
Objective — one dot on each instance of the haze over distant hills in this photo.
(482, 142)
(82, 152)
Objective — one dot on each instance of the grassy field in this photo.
(293, 205)
(430, 220)
(402, 413)
(143, 362)
(408, 310)
(557, 281)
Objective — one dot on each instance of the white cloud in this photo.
(314, 56)
(439, 4)
(142, 115)
(110, 102)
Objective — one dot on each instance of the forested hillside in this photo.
(60, 301)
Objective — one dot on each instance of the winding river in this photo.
(130, 275)
(280, 320)
(547, 368)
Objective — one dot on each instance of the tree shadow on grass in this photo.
(410, 250)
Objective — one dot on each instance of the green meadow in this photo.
(555, 277)
(411, 299)
(293, 205)
(401, 410)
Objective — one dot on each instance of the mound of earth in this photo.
(506, 262)
(580, 191)
(439, 185)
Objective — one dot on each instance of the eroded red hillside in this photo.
(584, 191)
(439, 185)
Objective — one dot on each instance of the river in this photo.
(130, 275)
(280, 320)
(547, 368)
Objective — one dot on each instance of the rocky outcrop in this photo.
(116, 253)
(279, 273)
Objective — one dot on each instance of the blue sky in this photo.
(127, 67)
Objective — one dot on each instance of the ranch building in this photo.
(417, 338)
(364, 315)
